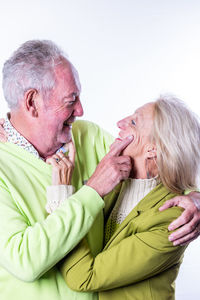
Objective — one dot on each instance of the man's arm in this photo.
(28, 251)
(189, 221)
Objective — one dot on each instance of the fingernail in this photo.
(175, 243)
(170, 238)
(170, 228)
(130, 137)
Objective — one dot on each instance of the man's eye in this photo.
(70, 102)
(133, 122)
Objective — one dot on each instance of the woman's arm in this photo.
(133, 259)
(3, 134)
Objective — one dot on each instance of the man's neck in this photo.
(24, 128)
(18, 122)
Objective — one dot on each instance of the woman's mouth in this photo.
(118, 139)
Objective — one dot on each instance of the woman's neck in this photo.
(143, 168)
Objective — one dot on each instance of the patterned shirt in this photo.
(16, 138)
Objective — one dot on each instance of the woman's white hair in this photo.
(31, 66)
(176, 133)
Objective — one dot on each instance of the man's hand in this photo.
(189, 221)
(3, 135)
(112, 169)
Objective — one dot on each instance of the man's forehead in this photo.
(76, 76)
(67, 73)
(77, 80)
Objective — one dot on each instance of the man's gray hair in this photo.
(176, 133)
(31, 66)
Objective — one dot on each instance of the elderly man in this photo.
(42, 90)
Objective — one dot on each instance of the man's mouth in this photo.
(68, 123)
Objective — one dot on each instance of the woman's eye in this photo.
(133, 122)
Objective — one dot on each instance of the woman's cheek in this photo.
(130, 149)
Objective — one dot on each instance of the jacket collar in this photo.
(149, 201)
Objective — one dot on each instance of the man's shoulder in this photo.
(82, 126)
(6, 149)
(14, 157)
(89, 129)
(90, 139)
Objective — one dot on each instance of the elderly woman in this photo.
(138, 261)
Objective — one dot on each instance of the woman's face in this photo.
(140, 126)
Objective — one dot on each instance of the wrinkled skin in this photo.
(188, 223)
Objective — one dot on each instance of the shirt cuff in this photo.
(56, 194)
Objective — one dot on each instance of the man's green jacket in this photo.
(31, 241)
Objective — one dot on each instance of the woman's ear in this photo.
(31, 97)
(150, 161)
(151, 151)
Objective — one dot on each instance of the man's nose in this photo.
(78, 109)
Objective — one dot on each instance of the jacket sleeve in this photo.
(135, 258)
(28, 251)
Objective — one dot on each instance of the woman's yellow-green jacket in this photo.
(138, 262)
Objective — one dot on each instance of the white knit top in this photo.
(133, 190)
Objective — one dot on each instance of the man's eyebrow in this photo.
(74, 94)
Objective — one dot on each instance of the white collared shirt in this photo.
(16, 138)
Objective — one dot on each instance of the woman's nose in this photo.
(122, 123)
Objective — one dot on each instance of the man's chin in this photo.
(65, 138)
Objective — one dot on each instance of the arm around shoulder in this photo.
(134, 258)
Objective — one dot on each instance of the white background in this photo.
(127, 52)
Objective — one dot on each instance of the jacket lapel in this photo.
(150, 200)
(110, 200)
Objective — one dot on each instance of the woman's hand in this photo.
(62, 169)
(63, 165)
(189, 222)
(3, 135)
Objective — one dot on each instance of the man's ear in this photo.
(31, 98)
(150, 151)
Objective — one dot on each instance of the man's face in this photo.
(59, 111)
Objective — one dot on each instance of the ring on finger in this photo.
(57, 159)
(64, 157)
